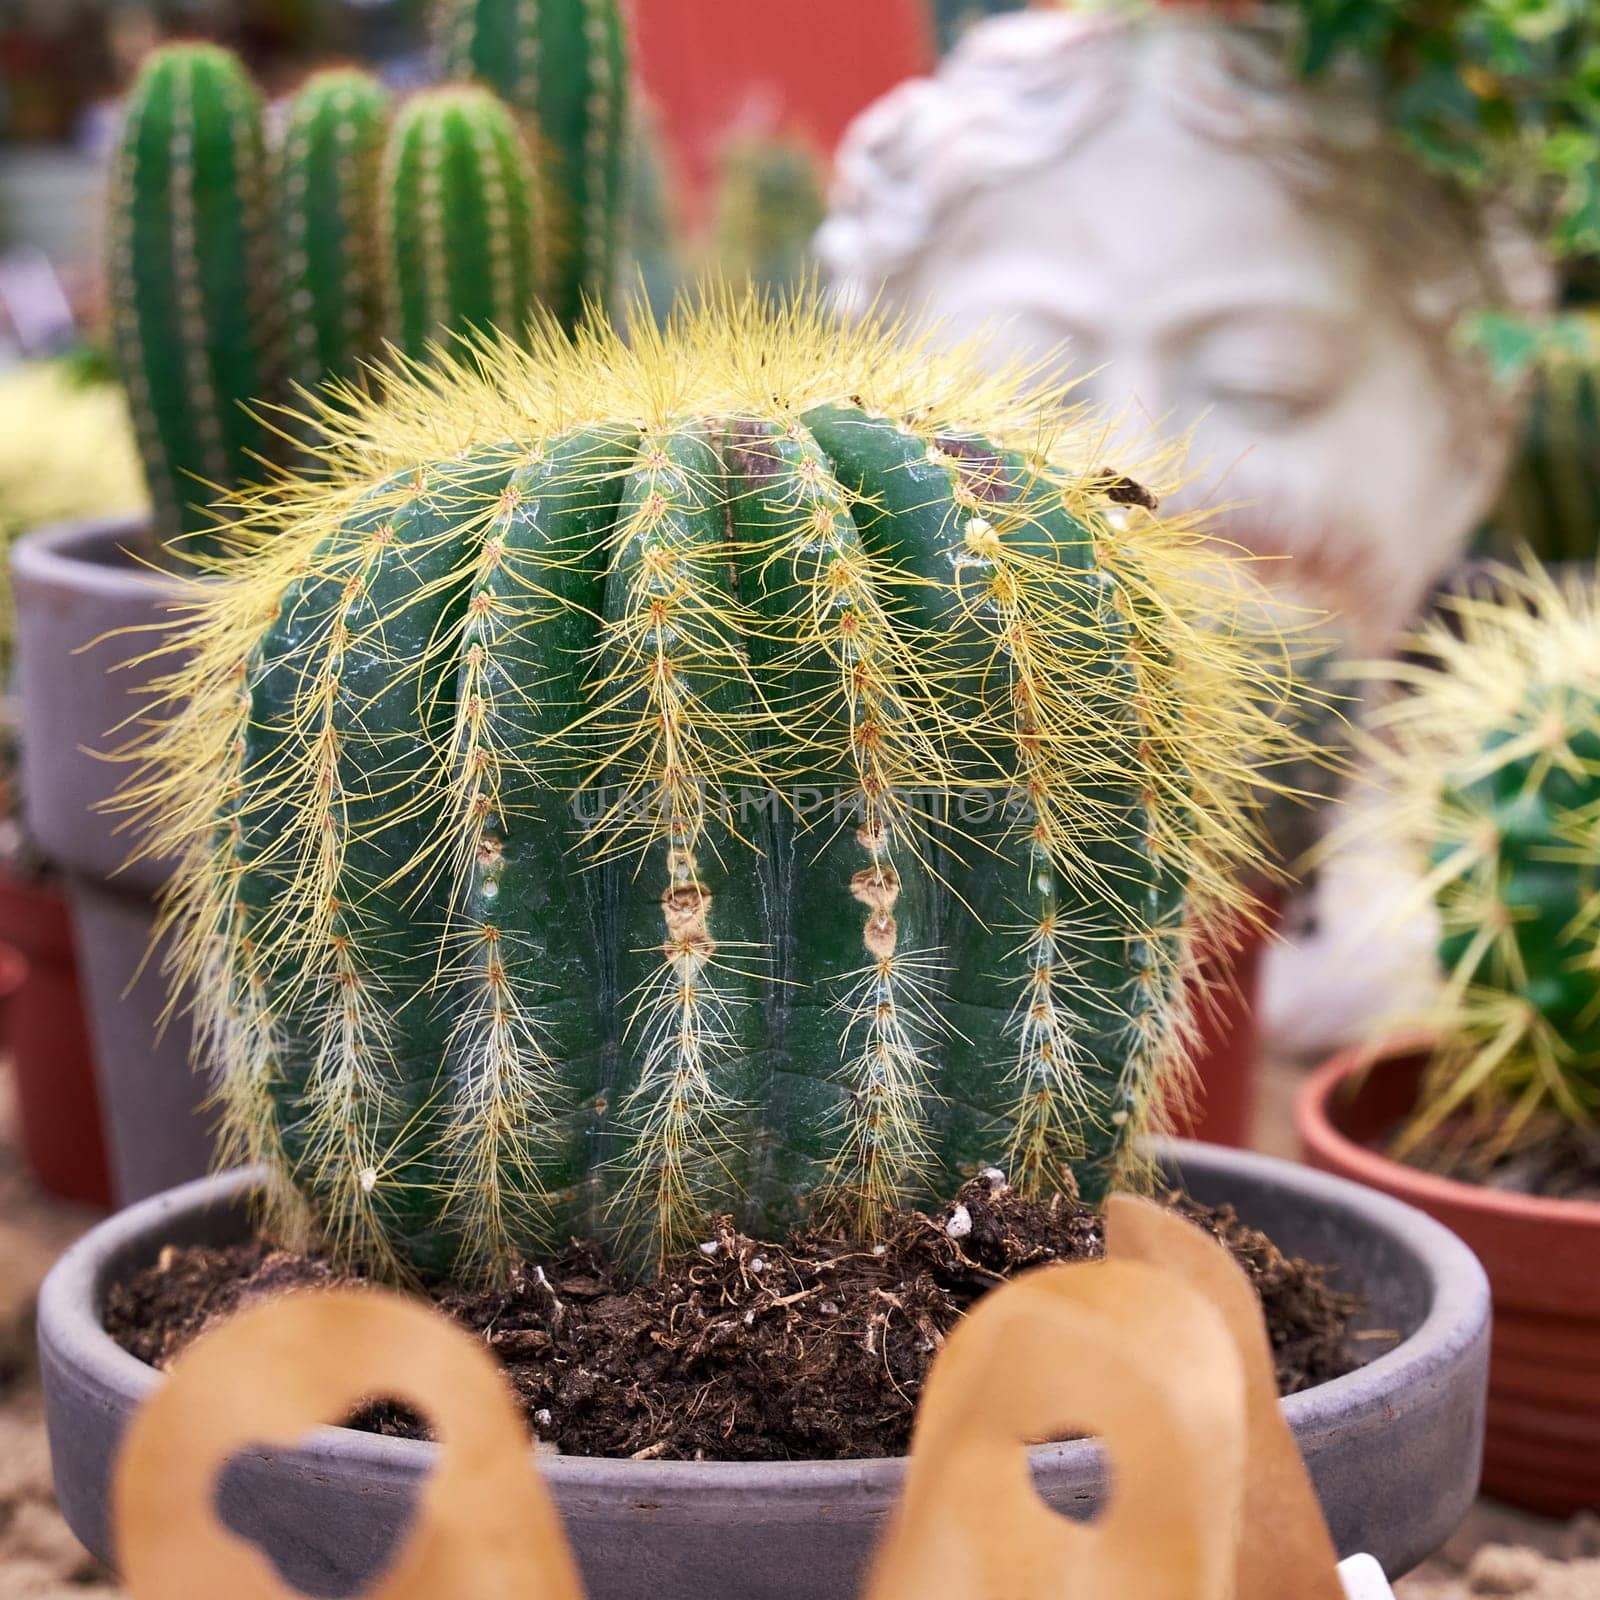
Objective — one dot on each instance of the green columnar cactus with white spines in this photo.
(1494, 755)
(327, 191)
(465, 239)
(191, 300)
(564, 65)
(755, 766)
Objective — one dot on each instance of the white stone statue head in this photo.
(1161, 206)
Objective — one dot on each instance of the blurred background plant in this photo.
(66, 450)
(1501, 95)
(1491, 760)
(1503, 98)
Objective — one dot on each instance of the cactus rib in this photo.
(327, 173)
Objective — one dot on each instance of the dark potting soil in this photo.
(742, 1351)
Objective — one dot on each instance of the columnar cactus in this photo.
(769, 205)
(762, 766)
(327, 192)
(1494, 753)
(192, 306)
(564, 64)
(1552, 501)
(463, 235)
(440, 228)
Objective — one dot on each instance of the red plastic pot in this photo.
(58, 1106)
(1543, 1259)
(799, 67)
(13, 974)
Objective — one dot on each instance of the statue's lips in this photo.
(1333, 566)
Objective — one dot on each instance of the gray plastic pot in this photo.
(86, 609)
(1393, 1448)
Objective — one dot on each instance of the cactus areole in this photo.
(761, 768)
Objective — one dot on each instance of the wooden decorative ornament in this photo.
(486, 1527)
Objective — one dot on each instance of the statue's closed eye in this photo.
(1274, 368)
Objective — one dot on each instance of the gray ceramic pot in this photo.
(86, 610)
(1393, 1448)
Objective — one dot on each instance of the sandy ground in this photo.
(1498, 1553)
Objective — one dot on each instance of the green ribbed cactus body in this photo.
(748, 767)
(1532, 886)
(190, 250)
(1079, 978)
(563, 64)
(464, 237)
(637, 993)
(327, 197)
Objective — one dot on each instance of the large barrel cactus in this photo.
(1494, 753)
(765, 766)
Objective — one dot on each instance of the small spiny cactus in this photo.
(564, 65)
(1551, 504)
(327, 188)
(463, 233)
(1493, 754)
(769, 205)
(759, 765)
(192, 302)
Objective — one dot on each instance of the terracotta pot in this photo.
(1543, 1259)
(58, 1107)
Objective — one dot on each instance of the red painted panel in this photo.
(802, 67)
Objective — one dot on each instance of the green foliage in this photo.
(462, 233)
(563, 64)
(191, 277)
(755, 766)
(1502, 96)
(327, 172)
